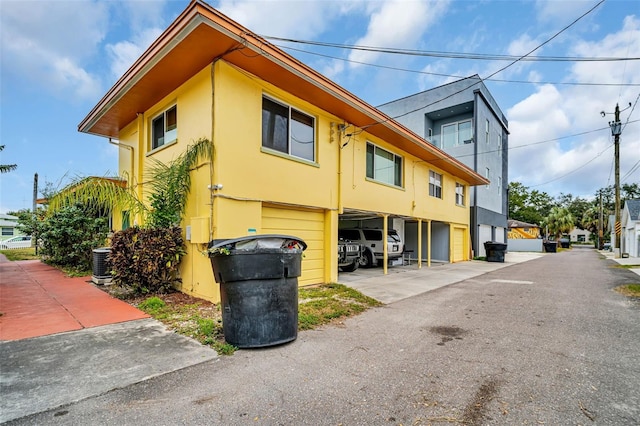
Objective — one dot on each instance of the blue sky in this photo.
(58, 58)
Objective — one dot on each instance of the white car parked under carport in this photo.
(21, 241)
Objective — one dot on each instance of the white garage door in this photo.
(484, 234)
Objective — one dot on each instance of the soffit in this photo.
(198, 37)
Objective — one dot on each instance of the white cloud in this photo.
(295, 19)
(397, 23)
(124, 53)
(553, 112)
(47, 42)
(555, 11)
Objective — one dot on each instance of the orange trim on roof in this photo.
(201, 35)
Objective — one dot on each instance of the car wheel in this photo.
(352, 267)
(366, 259)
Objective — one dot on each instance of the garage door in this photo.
(484, 234)
(307, 225)
(458, 244)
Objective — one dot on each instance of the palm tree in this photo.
(6, 168)
(560, 221)
(169, 186)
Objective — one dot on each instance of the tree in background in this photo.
(528, 206)
(576, 206)
(558, 222)
(6, 168)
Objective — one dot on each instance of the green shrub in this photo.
(69, 235)
(146, 260)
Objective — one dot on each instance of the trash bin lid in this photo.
(253, 242)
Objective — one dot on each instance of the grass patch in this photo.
(20, 254)
(627, 266)
(202, 320)
(195, 318)
(75, 272)
(631, 290)
(327, 303)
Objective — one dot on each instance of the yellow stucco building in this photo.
(293, 152)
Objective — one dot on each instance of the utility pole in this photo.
(34, 240)
(616, 130)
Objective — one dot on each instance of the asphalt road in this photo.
(541, 342)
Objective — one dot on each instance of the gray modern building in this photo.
(464, 120)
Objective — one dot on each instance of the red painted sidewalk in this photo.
(37, 299)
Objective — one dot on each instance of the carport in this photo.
(424, 240)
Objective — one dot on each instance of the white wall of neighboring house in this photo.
(579, 235)
(8, 226)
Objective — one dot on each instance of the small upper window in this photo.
(287, 130)
(435, 184)
(164, 127)
(7, 231)
(459, 194)
(487, 128)
(384, 166)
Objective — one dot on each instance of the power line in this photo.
(451, 55)
(574, 170)
(451, 75)
(495, 72)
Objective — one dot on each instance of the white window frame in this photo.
(169, 128)
(487, 129)
(460, 193)
(268, 139)
(373, 171)
(458, 140)
(435, 184)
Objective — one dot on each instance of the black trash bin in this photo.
(495, 251)
(258, 277)
(550, 246)
(565, 243)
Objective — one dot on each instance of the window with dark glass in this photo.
(287, 130)
(435, 184)
(164, 127)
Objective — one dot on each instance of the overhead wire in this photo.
(451, 55)
(565, 83)
(480, 80)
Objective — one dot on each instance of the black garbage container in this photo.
(550, 246)
(565, 242)
(258, 277)
(495, 251)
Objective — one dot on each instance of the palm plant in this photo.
(558, 222)
(168, 185)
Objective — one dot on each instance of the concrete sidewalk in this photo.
(634, 262)
(64, 340)
(407, 281)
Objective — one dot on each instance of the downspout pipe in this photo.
(130, 148)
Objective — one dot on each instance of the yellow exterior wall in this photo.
(413, 200)
(224, 104)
